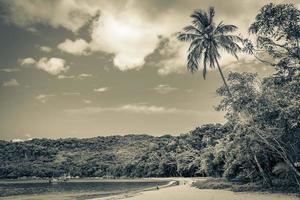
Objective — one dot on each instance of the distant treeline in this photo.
(117, 156)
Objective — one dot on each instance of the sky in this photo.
(71, 68)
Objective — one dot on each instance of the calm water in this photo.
(73, 189)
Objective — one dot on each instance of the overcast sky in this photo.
(89, 68)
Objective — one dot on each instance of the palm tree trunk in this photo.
(222, 75)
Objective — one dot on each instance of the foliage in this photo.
(117, 156)
(277, 31)
(207, 39)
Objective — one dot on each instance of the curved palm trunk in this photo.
(222, 75)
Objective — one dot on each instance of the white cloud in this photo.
(53, 65)
(122, 29)
(27, 61)
(173, 57)
(11, 83)
(77, 77)
(77, 47)
(130, 108)
(69, 14)
(65, 77)
(164, 89)
(84, 76)
(45, 49)
(128, 38)
(102, 89)
(44, 97)
(9, 70)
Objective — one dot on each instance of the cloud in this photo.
(102, 89)
(77, 47)
(129, 29)
(69, 14)
(53, 66)
(27, 61)
(77, 77)
(66, 77)
(164, 89)
(173, 55)
(86, 101)
(129, 34)
(11, 83)
(71, 93)
(45, 49)
(130, 108)
(44, 97)
(173, 58)
(83, 76)
(9, 70)
(128, 38)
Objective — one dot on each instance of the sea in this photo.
(77, 189)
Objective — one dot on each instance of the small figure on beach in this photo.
(157, 187)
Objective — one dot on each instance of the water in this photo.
(73, 189)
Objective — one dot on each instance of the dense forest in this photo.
(131, 155)
(259, 141)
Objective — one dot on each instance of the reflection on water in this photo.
(77, 188)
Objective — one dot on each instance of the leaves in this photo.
(277, 28)
(206, 40)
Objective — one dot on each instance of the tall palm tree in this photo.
(206, 39)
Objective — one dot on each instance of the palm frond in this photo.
(200, 16)
(229, 45)
(194, 55)
(223, 28)
(196, 43)
(192, 29)
(211, 14)
(192, 64)
(187, 37)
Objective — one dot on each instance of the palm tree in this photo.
(206, 39)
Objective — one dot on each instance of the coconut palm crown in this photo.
(206, 40)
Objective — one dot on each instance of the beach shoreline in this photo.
(185, 190)
(95, 194)
(172, 182)
(175, 189)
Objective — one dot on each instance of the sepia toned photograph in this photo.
(150, 100)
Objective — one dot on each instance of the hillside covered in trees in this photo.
(130, 156)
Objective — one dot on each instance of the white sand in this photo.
(186, 192)
(183, 191)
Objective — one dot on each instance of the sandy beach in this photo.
(184, 191)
